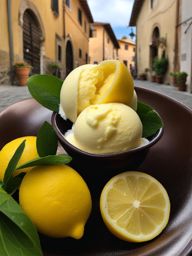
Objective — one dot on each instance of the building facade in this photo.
(156, 23)
(43, 33)
(185, 42)
(126, 52)
(77, 28)
(103, 44)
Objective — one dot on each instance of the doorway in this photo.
(154, 45)
(69, 57)
(32, 36)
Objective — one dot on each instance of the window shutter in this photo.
(55, 6)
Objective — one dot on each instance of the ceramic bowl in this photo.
(168, 160)
(125, 160)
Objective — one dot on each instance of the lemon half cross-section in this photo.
(135, 206)
(110, 81)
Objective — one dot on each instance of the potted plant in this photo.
(160, 66)
(181, 79)
(153, 76)
(22, 71)
(173, 76)
(142, 76)
(54, 69)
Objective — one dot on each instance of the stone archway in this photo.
(32, 40)
(33, 29)
(154, 45)
(69, 57)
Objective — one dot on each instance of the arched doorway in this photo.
(69, 57)
(154, 45)
(32, 38)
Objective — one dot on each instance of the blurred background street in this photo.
(11, 94)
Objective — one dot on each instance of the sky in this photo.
(115, 12)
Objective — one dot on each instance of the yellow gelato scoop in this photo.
(106, 128)
(110, 81)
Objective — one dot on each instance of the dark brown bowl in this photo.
(169, 161)
(126, 160)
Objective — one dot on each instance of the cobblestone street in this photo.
(11, 94)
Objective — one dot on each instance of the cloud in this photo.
(115, 12)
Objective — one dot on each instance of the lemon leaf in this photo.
(18, 236)
(46, 90)
(12, 166)
(14, 183)
(150, 119)
(47, 160)
(46, 140)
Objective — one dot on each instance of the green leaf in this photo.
(18, 236)
(150, 119)
(47, 160)
(14, 183)
(46, 90)
(46, 140)
(8, 177)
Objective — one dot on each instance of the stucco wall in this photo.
(50, 24)
(101, 46)
(54, 29)
(109, 47)
(186, 41)
(163, 15)
(3, 29)
(96, 50)
(77, 33)
(127, 55)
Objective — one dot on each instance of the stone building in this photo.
(185, 39)
(156, 33)
(42, 33)
(77, 29)
(103, 44)
(126, 52)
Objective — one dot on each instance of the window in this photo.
(94, 32)
(134, 49)
(68, 3)
(80, 16)
(55, 7)
(80, 53)
(125, 62)
(126, 46)
(59, 52)
(153, 3)
(58, 49)
(95, 62)
(85, 26)
(108, 40)
(86, 58)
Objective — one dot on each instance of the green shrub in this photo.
(160, 66)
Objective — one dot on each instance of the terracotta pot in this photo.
(153, 78)
(22, 74)
(159, 79)
(174, 81)
(182, 86)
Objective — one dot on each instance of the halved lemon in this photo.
(108, 82)
(135, 206)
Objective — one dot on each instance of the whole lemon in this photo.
(7, 152)
(57, 200)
